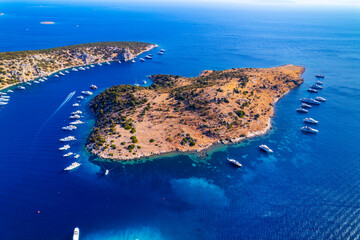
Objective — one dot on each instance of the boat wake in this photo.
(67, 99)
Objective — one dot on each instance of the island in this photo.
(180, 114)
(22, 66)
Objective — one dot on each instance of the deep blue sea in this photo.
(308, 189)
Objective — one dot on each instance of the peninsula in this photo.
(187, 114)
(23, 66)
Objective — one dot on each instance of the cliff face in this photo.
(17, 67)
(187, 114)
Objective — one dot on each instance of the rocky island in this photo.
(187, 114)
(23, 66)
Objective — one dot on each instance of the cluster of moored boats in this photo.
(4, 98)
(73, 125)
(262, 147)
(149, 56)
(307, 103)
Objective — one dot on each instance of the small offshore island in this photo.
(23, 66)
(187, 114)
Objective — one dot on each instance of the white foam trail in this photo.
(68, 98)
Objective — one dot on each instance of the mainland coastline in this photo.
(178, 114)
(23, 66)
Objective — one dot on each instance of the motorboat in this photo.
(82, 69)
(80, 97)
(71, 167)
(4, 99)
(75, 116)
(77, 112)
(142, 60)
(69, 128)
(45, 78)
(21, 87)
(136, 84)
(77, 122)
(120, 62)
(162, 50)
(308, 129)
(133, 61)
(304, 105)
(3, 103)
(87, 68)
(315, 86)
(107, 63)
(92, 86)
(56, 76)
(148, 57)
(265, 148)
(310, 120)
(76, 105)
(144, 82)
(234, 162)
(310, 101)
(106, 172)
(67, 71)
(320, 76)
(302, 110)
(10, 91)
(65, 147)
(312, 90)
(320, 99)
(68, 154)
(28, 83)
(77, 156)
(74, 69)
(62, 74)
(37, 82)
(99, 64)
(41, 80)
(68, 139)
(87, 93)
(92, 65)
(319, 83)
(3, 94)
(76, 233)
(160, 53)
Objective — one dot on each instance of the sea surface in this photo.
(308, 189)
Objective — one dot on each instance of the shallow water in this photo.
(307, 189)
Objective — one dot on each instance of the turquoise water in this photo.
(308, 189)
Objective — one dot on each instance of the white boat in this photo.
(4, 99)
(107, 63)
(320, 76)
(136, 84)
(319, 83)
(160, 53)
(312, 90)
(309, 130)
(21, 87)
(76, 105)
(87, 93)
(92, 65)
(119, 61)
(320, 99)
(45, 78)
(68, 139)
(92, 86)
(69, 128)
(56, 75)
(80, 97)
(82, 69)
(68, 154)
(148, 57)
(3, 103)
(87, 68)
(133, 61)
(76, 233)
(77, 156)
(265, 148)
(75, 116)
(162, 50)
(77, 122)
(77, 112)
(144, 82)
(74, 69)
(62, 74)
(311, 120)
(309, 101)
(28, 83)
(99, 64)
(142, 60)
(10, 91)
(65, 147)
(67, 71)
(41, 80)
(37, 82)
(302, 110)
(106, 172)
(3, 94)
(304, 105)
(71, 167)
(234, 162)
(315, 86)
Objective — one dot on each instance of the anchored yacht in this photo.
(312, 90)
(3, 103)
(311, 120)
(304, 105)
(69, 128)
(310, 101)
(106, 172)
(319, 83)
(301, 110)
(87, 93)
(68, 154)
(65, 147)
(77, 112)
(142, 60)
(309, 129)
(67, 71)
(160, 53)
(37, 82)
(77, 122)
(234, 162)
(77, 156)
(68, 139)
(99, 64)
(92, 65)
(61, 73)
(82, 69)
(265, 148)
(76, 105)
(148, 57)
(74, 69)
(315, 86)
(107, 63)
(320, 99)
(93, 87)
(320, 76)
(10, 91)
(21, 87)
(80, 97)
(75, 116)
(71, 167)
